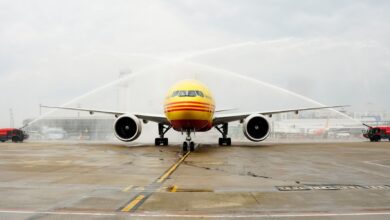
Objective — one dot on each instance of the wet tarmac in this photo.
(111, 181)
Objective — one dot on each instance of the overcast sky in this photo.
(336, 52)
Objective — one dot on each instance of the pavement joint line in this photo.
(147, 191)
(363, 170)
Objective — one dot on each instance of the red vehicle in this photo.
(375, 134)
(13, 134)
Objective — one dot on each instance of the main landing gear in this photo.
(223, 129)
(188, 143)
(162, 129)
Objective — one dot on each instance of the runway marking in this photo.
(331, 187)
(147, 191)
(140, 188)
(377, 164)
(174, 188)
(133, 203)
(173, 168)
(56, 213)
(127, 188)
(207, 215)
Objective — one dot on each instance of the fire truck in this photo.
(377, 133)
(13, 134)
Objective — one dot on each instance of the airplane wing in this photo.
(143, 116)
(225, 118)
(225, 110)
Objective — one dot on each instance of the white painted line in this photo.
(159, 215)
(57, 213)
(127, 188)
(377, 164)
(256, 215)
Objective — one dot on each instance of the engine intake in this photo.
(256, 127)
(127, 128)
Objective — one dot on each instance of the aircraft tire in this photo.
(220, 141)
(165, 141)
(192, 146)
(225, 141)
(15, 139)
(228, 141)
(185, 146)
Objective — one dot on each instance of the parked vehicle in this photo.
(13, 134)
(377, 133)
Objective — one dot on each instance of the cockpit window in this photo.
(182, 93)
(191, 93)
(200, 93)
(187, 93)
(175, 93)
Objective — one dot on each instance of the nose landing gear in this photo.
(188, 142)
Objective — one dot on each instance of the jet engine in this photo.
(127, 128)
(256, 127)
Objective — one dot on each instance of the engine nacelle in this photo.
(256, 127)
(127, 128)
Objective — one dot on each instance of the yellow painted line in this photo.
(133, 203)
(127, 188)
(141, 197)
(173, 168)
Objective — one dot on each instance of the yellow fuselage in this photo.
(189, 105)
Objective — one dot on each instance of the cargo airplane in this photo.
(189, 107)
